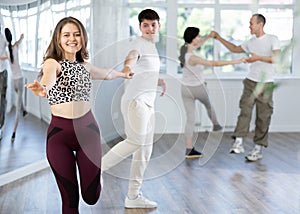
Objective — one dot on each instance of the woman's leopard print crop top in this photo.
(72, 84)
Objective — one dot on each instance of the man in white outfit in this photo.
(138, 108)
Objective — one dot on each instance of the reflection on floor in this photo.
(29, 145)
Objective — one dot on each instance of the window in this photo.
(236, 32)
(230, 18)
(202, 18)
(44, 34)
(27, 50)
(280, 22)
(37, 20)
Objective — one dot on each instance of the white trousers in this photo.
(139, 130)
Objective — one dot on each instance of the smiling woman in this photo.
(66, 81)
(71, 40)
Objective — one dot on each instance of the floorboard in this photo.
(29, 145)
(223, 183)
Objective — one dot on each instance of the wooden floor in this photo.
(218, 183)
(29, 145)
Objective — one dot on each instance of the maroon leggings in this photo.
(71, 141)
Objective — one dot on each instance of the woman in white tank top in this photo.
(17, 76)
(194, 86)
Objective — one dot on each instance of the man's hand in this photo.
(128, 73)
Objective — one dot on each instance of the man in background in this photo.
(258, 86)
(3, 81)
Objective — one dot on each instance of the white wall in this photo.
(170, 113)
(109, 48)
(225, 95)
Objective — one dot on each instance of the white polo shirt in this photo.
(192, 75)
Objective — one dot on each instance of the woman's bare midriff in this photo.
(71, 110)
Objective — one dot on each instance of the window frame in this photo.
(171, 7)
(15, 14)
(171, 30)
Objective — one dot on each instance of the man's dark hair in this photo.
(148, 14)
(260, 18)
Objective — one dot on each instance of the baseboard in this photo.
(23, 172)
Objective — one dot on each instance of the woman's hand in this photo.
(253, 58)
(243, 60)
(214, 34)
(162, 83)
(37, 88)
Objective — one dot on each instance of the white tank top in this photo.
(15, 67)
(192, 75)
